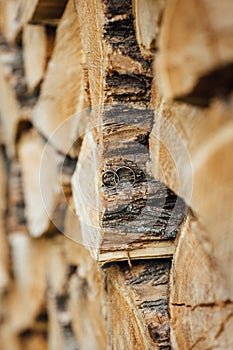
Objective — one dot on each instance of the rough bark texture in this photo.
(116, 224)
(139, 214)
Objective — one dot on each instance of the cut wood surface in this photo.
(201, 317)
(46, 185)
(10, 114)
(137, 297)
(190, 153)
(25, 301)
(61, 332)
(15, 14)
(35, 50)
(16, 101)
(87, 302)
(148, 17)
(196, 50)
(36, 180)
(62, 93)
(76, 296)
(8, 14)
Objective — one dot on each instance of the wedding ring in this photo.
(131, 171)
(110, 179)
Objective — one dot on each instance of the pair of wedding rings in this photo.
(111, 179)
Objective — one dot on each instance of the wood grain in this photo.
(196, 54)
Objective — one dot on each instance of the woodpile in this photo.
(116, 174)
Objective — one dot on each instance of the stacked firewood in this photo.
(116, 175)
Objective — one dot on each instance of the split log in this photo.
(10, 114)
(25, 300)
(75, 296)
(138, 305)
(17, 13)
(190, 149)
(55, 340)
(8, 23)
(86, 292)
(16, 101)
(146, 231)
(45, 202)
(196, 54)
(140, 217)
(116, 70)
(37, 44)
(11, 57)
(148, 17)
(201, 310)
(62, 92)
(61, 334)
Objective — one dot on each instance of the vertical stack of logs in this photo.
(116, 174)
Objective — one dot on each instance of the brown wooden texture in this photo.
(194, 161)
(138, 305)
(8, 23)
(148, 18)
(62, 93)
(201, 310)
(129, 220)
(40, 11)
(195, 61)
(16, 101)
(15, 14)
(38, 179)
(140, 179)
(35, 44)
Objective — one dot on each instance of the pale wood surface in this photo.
(196, 54)
(14, 14)
(194, 161)
(62, 94)
(201, 310)
(35, 50)
(138, 305)
(148, 17)
(40, 181)
(10, 113)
